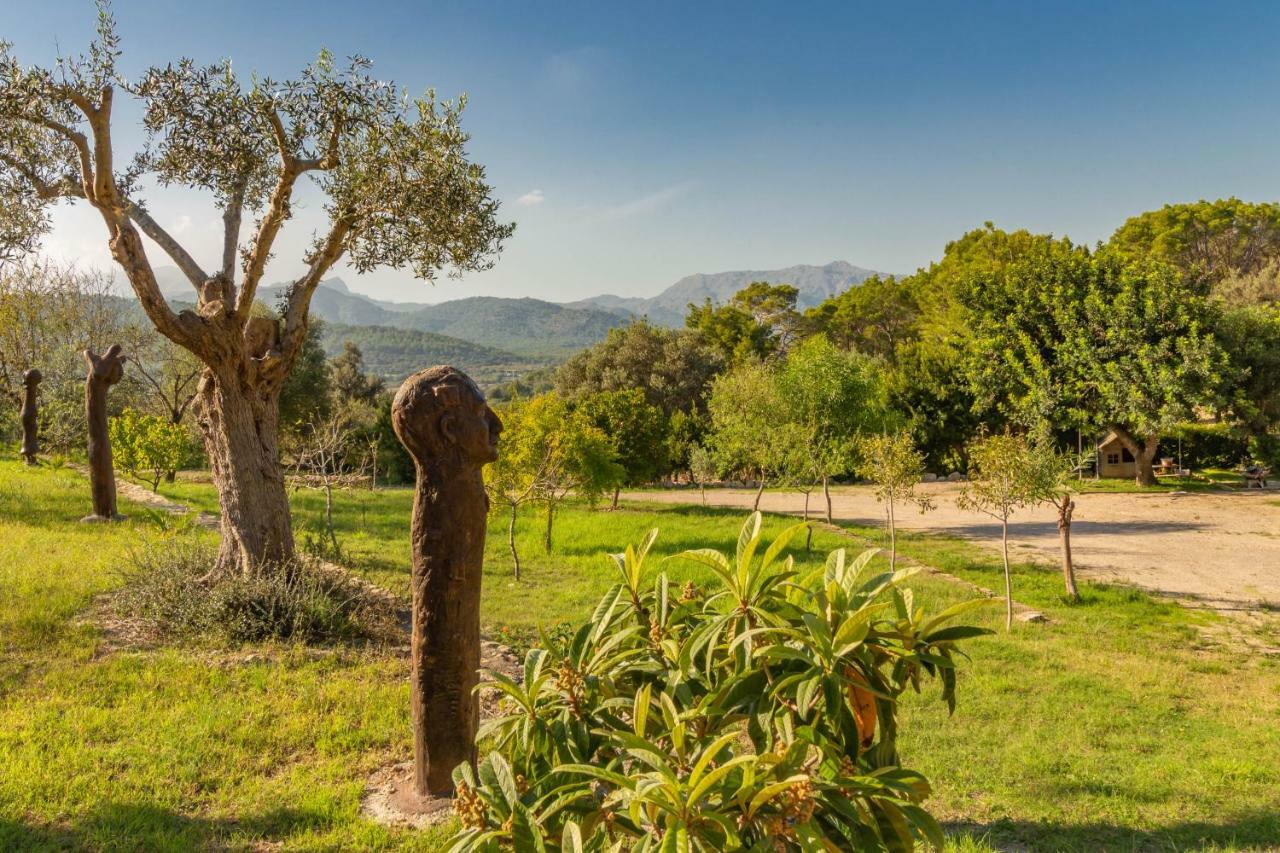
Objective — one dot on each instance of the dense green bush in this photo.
(758, 715)
(148, 446)
(1206, 446)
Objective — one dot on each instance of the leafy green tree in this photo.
(749, 430)
(307, 393)
(391, 171)
(876, 317)
(895, 466)
(760, 320)
(635, 429)
(833, 397)
(1069, 338)
(673, 368)
(1207, 240)
(149, 447)
(703, 468)
(548, 450)
(1250, 336)
(928, 384)
(348, 380)
(1006, 473)
(1053, 473)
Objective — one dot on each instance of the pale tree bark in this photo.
(893, 535)
(1066, 507)
(755, 506)
(546, 536)
(1008, 580)
(826, 493)
(511, 541)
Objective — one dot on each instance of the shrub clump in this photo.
(168, 587)
(757, 715)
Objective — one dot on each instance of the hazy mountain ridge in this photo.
(668, 308)
(533, 330)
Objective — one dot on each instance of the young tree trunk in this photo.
(240, 432)
(328, 519)
(826, 493)
(702, 487)
(616, 490)
(1065, 508)
(546, 536)
(511, 541)
(755, 507)
(808, 539)
(893, 538)
(1008, 581)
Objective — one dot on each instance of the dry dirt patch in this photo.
(1220, 550)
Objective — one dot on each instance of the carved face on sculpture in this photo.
(440, 413)
(32, 378)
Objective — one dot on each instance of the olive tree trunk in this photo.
(755, 507)
(826, 493)
(239, 424)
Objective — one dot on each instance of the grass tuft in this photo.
(166, 588)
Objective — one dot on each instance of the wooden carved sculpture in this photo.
(30, 441)
(441, 418)
(104, 371)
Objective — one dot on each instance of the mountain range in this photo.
(508, 335)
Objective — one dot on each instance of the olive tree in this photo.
(398, 188)
(894, 464)
(1004, 475)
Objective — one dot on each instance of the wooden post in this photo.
(104, 371)
(441, 418)
(30, 420)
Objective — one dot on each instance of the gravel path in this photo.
(1218, 549)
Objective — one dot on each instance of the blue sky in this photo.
(636, 143)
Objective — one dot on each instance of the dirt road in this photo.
(1222, 549)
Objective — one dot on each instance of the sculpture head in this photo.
(31, 378)
(108, 367)
(439, 413)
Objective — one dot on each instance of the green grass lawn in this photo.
(1201, 480)
(1119, 725)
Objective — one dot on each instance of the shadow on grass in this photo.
(143, 826)
(1252, 831)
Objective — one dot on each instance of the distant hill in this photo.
(393, 353)
(536, 330)
(527, 327)
(668, 308)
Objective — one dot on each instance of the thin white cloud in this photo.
(183, 225)
(645, 204)
(531, 198)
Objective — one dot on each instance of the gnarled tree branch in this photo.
(171, 247)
